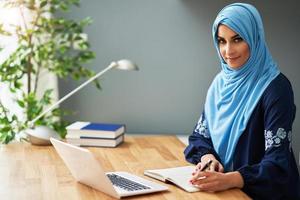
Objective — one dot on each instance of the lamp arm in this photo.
(112, 65)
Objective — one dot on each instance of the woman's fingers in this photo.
(211, 181)
(220, 168)
(216, 166)
(208, 181)
(216, 181)
(209, 186)
(197, 168)
(213, 166)
(201, 177)
(195, 176)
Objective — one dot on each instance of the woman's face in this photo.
(234, 50)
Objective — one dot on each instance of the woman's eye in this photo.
(221, 41)
(238, 39)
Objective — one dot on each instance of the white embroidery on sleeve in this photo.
(275, 140)
(201, 127)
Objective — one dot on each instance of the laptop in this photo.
(87, 170)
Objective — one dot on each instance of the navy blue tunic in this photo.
(263, 154)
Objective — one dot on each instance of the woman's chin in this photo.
(234, 65)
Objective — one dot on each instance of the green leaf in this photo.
(4, 121)
(64, 6)
(21, 103)
(98, 86)
(17, 84)
(14, 118)
(43, 4)
(5, 129)
(86, 21)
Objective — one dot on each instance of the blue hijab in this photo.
(234, 93)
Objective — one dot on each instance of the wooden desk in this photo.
(34, 172)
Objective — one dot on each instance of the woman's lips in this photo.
(232, 59)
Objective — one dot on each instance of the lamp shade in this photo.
(126, 65)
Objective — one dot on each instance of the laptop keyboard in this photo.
(125, 183)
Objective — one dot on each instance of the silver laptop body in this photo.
(87, 170)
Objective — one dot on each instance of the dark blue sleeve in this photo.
(199, 142)
(270, 178)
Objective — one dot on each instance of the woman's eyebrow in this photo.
(233, 37)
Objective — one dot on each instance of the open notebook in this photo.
(179, 176)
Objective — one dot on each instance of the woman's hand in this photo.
(214, 166)
(212, 181)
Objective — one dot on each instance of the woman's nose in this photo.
(229, 48)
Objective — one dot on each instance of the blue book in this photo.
(94, 130)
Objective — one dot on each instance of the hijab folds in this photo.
(234, 93)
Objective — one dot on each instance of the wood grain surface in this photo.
(37, 172)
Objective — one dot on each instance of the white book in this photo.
(179, 176)
(93, 142)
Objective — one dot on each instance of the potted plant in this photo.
(47, 42)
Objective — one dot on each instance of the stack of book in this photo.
(95, 134)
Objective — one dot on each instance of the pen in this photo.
(206, 165)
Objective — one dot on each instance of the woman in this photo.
(246, 125)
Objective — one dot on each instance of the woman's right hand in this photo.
(214, 166)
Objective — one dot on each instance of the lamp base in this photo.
(41, 135)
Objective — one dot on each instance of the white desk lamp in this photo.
(40, 135)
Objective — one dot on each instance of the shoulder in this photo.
(279, 88)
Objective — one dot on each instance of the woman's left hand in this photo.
(217, 181)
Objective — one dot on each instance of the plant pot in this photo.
(41, 135)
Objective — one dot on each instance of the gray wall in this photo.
(171, 42)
